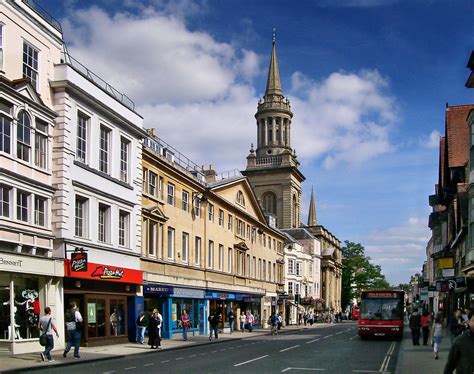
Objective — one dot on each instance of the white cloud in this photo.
(432, 140)
(399, 249)
(197, 91)
(345, 118)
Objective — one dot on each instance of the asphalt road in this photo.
(334, 349)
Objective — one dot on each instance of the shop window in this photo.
(96, 321)
(27, 304)
(117, 317)
(177, 308)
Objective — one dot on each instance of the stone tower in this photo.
(312, 218)
(272, 168)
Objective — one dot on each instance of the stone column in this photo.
(274, 130)
(265, 132)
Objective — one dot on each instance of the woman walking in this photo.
(154, 323)
(437, 334)
(185, 324)
(242, 322)
(425, 326)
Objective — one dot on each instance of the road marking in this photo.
(109, 372)
(151, 364)
(224, 349)
(246, 362)
(365, 371)
(179, 358)
(340, 332)
(328, 336)
(205, 353)
(192, 356)
(165, 361)
(387, 357)
(130, 368)
(307, 369)
(214, 352)
(287, 349)
(312, 341)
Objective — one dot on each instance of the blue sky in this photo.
(368, 81)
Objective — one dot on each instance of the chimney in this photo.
(210, 174)
(152, 132)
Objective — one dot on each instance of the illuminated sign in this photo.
(102, 272)
(78, 261)
(381, 295)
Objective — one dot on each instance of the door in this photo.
(202, 319)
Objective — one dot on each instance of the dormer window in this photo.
(240, 198)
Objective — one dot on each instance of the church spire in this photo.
(312, 221)
(273, 80)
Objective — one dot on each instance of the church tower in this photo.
(272, 168)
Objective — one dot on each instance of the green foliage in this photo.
(359, 273)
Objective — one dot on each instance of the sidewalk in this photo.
(420, 359)
(31, 361)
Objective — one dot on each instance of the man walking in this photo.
(74, 327)
(461, 354)
(415, 326)
(455, 326)
(45, 325)
(231, 321)
(141, 327)
(213, 325)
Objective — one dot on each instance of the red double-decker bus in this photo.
(381, 313)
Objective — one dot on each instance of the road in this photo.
(334, 349)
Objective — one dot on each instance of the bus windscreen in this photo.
(381, 309)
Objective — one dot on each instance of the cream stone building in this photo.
(206, 243)
(30, 275)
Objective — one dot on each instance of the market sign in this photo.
(78, 261)
(103, 272)
(157, 289)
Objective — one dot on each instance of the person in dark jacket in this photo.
(455, 327)
(415, 326)
(461, 354)
(154, 324)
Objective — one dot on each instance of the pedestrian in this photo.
(437, 335)
(74, 323)
(280, 321)
(300, 317)
(213, 324)
(461, 354)
(455, 327)
(415, 325)
(425, 326)
(45, 325)
(231, 320)
(141, 327)
(274, 324)
(154, 323)
(311, 318)
(242, 322)
(305, 318)
(185, 324)
(250, 319)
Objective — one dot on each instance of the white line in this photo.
(312, 341)
(165, 361)
(214, 352)
(192, 356)
(151, 364)
(205, 353)
(179, 358)
(328, 336)
(130, 368)
(340, 332)
(387, 357)
(108, 372)
(287, 349)
(307, 369)
(246, 362)
(365, 371)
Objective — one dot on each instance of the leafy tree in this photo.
(359, 273)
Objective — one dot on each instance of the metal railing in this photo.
(98, 81)
(270, 160)
(234, 173)
(44, 14)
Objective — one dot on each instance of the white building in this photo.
(30, 274)
(97, 204)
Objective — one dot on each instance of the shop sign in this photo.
(157, 289)
(445, 263)
(220, 295)
(284, 296)
(456, 283)
(91, 315)
(105, 273)
(442, 286)
(11, 262)
(188, 292)
(280, 302)
(448, 273)
(252, 299)
(239, 296)
(79, 261)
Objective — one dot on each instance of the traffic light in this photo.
(297, 299)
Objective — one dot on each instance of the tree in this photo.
(359, 273)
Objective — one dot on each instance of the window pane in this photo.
(104, 149)
(5, 134)
(124, 145)
(81, 141)
(22, 206)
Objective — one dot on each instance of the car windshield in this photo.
(381, 309)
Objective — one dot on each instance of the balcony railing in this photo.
(270, 160)
(98, 81)
(44, 14)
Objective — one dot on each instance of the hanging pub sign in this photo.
(79, 262)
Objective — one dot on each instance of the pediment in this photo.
(23, 87)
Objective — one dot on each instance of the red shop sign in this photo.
(105, 273)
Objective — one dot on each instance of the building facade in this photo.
(30, 273)
(206, 244)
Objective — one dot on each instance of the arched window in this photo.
(23, 133)
(295, 211)
(269, 203)
(240, 198)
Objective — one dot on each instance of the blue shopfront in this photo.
(171, 302)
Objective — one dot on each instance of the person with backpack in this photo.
(45, 325)
(213, 325)
(415, 326)
(74, 322)
(274, 324)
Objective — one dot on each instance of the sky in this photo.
(368, 82)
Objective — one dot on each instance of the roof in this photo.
(442, 146)
(273, 80)
(457, 135)
(299, 233)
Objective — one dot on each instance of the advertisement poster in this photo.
(91, 315)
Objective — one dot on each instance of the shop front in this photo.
(107, 299)
(223, 302)
(171, 301)
(27, 285)
(250, 303)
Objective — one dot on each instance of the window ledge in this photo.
(102, 174)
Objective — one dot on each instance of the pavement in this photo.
(31, 361)
(420, 359)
